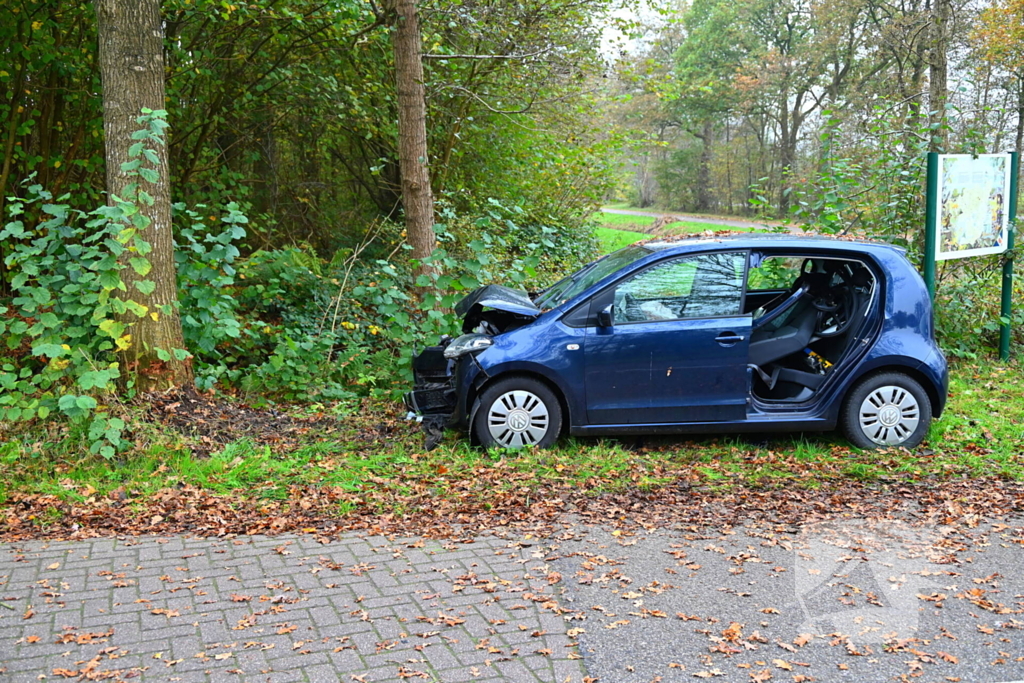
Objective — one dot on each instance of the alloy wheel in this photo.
(889, 415)
(518, 418)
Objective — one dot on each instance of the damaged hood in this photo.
(495, 309)
(499, 298)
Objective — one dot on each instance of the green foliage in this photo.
(68, 315)
(282, 353)
(204, 261)
(967, 304)
(290, 110)
(51, 112)
(677, 176)
(289, 326)
(72, 312)
(877, 190)
(499, 236)
(277, 346)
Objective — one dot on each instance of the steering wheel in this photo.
(835, 311)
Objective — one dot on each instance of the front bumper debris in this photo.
(432, 398)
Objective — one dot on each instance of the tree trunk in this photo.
(704, 193)
(643, 181)
(417, 198)
(1019, 138)
(937, 74)
(787, 141)
(132, 73)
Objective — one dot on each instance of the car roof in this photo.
(761, 240)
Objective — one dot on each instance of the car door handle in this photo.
(729, 338)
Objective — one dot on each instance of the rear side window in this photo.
(774, 272)
(703, 286)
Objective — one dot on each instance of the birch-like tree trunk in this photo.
(132, 72)
(1018, 141)
(417, 197)
(938, 74)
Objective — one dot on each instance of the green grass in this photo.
(612, 239)
(619, 230)
(622, 221)
(981, 434)
(629, 222)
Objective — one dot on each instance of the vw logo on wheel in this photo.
(518, 420)
(889, 415)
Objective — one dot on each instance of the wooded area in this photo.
(292, 107)
(230, 194)
(817, 108)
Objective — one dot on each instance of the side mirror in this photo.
(605, 315)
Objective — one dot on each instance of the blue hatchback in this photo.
(717, 335)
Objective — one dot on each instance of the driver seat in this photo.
(770, 343)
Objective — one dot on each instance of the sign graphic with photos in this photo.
(973, 205)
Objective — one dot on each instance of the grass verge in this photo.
(638, 223)
(612, 239)
(376, 465)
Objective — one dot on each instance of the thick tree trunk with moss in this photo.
(417, 197)
(132, 72)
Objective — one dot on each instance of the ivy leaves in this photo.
(68, 298)
(72, 307)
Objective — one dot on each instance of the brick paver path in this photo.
(282, 609)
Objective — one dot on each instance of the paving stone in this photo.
(383, 592)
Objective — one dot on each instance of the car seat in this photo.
(791, 331)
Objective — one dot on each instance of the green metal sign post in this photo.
(971, 205)
(1006, 308)
(931, 223)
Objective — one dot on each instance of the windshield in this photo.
(572, 286)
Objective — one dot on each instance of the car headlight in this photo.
(467, 343)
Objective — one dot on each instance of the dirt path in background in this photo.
(724, 222)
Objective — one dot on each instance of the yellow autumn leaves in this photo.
(372, 329)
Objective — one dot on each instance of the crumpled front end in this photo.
(486, 312)
(433, 393)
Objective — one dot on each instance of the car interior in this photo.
(808, 312)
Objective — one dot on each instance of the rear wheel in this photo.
(885, 410)
(517, 412)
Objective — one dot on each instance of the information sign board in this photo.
(973, 205)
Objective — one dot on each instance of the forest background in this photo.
(292, 245)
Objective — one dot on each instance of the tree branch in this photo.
(527, 56)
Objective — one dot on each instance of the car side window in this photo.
(703, 286)
(775, 272)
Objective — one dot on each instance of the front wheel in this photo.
(885, 410)
(517, 412)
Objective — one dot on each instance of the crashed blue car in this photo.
(752, 333)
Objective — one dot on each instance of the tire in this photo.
(887, 410)
(517, 412)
